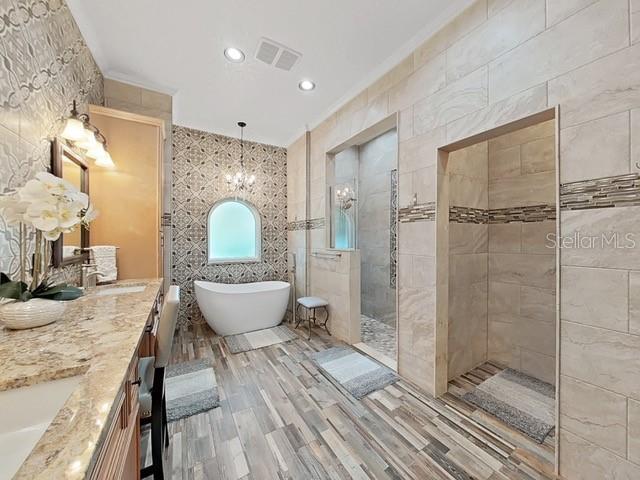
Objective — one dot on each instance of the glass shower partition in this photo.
(344, 215)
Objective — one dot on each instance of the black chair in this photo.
(153, 406)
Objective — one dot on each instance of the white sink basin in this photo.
(120, 290)
(25, 414)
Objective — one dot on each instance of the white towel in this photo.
(69, 250)
(104, 256)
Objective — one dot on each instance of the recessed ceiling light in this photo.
(234, 55)
(306, 85)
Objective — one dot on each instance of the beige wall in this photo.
(127, 196)
(144, 101)
(500, 61)
(522, 262)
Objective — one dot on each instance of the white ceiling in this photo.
(176, 47)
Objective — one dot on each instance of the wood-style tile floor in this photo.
(281, 418)
(540, 455)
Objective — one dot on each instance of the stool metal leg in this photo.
(297, 316)
(326, 320)
(309, 317)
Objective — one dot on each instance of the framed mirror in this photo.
(68, 164)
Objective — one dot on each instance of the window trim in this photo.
(258, 228)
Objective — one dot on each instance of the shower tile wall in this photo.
(377, 158)
(522, 329)
(495, 63)
(468, 247)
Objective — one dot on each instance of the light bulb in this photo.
(105, 160)
(89, 141)
(73, 130)
(97, 151)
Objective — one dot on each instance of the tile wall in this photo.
(468, 256)
(200, 162)
(377, 160)
(497, 62)
(522, 260)
(46, 65)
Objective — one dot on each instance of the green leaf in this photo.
(13, 290)
(61, 292)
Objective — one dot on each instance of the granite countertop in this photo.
(97, 338)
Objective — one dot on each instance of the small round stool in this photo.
(311, 304)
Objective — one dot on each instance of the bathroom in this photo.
(270, 240)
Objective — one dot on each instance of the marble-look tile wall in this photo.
(522, 261)
(46, 65)
(296, 214)
(200, 162)
(497, 62)
(468, 249)
(336, 278)
(376, 160)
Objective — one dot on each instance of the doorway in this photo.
(363, 206)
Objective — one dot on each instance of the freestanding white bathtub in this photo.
(239, 308)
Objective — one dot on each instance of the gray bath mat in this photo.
(357, 373)
(523, 402)
(244, 342)
(190, 388)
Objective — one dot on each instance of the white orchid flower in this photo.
(55, 185)
(79, 198)
(43, 216)
(68, 216)
(53, 235)
(35, 191)
(90, 215)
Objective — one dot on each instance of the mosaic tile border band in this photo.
(468, 215)
(393, 229)
(417, 213)
(617, 191)
(312, 224)
(524, 214)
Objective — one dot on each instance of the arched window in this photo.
(234, 232)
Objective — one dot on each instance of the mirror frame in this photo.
(59, 151)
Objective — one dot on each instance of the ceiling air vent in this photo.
(276, 54)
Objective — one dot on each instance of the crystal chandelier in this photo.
(345, 197)
(241, 181)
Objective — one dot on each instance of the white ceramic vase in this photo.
(34, 313)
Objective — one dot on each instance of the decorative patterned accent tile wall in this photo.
(618, 191)
(45, 66)
(200, 162)
(417, 213)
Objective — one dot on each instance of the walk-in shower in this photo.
(363, 203)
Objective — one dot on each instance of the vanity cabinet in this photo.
(119, 457)
(120, 453)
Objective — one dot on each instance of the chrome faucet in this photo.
(88, 276)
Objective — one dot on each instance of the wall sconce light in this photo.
(79, 130)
